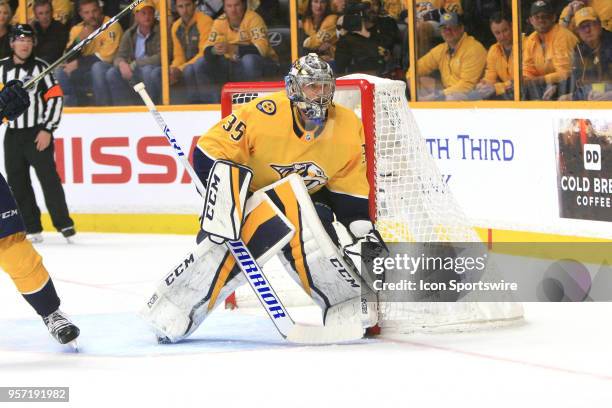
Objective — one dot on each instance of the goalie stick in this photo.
(260, 284)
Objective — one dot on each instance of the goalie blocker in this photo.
(228, 186)
(278, 220)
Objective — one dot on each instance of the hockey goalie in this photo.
(287, 174)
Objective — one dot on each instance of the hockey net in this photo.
(409, 200)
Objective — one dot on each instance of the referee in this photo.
(29, 138)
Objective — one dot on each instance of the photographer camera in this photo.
(366, 39)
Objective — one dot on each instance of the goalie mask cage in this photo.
(409, 201)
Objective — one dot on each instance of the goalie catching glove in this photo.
(361, 232)
(14, 100)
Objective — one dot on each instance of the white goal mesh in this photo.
(411, 202)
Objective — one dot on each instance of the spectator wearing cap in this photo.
(497, 82)
(138, 58)
(460, 61)
(547, 55)
(592, 70)
(51, 35)
(88, 70)
(427, 18)
(28, 141)
(189, 35)
(603, 8)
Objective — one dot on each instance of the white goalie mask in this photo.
(310, 85)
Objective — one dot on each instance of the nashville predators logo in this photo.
(312, 174)
(268, 107)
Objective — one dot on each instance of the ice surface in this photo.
(561, 357)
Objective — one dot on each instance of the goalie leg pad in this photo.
(181, 301)
(311, 258)
(362, 309)
(209, 274)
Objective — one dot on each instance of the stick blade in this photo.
(302, 334)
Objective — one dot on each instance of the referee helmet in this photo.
(22, 31)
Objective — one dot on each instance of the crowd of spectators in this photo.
(210, 42)
(565, 51)
(237, 49)
(464, 48)
(138, 58)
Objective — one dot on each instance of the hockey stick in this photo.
(74, 50)
(260, 284)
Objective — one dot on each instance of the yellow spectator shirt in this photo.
(201, 23)
(446, 5)
(325, 33)
(266, 136)
(62, 11)
(252, 30)
(499, 68)
(395, 7)
(551, 58)
(302, 6)
(104, 46)
(459, 71)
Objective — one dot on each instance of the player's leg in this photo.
(121, 92)
(100, 87)
(151, 76)
(282, 216)
(18, 177)
(349, 243)
(65, 83)
(211, 71)
(189, 84)
(24, 265)
(313, 258)
(55, 198)
(324, 211)
(205, 277)
(250, 68)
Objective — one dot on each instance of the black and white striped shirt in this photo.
(46, 98)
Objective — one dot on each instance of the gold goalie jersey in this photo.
(267, 136)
